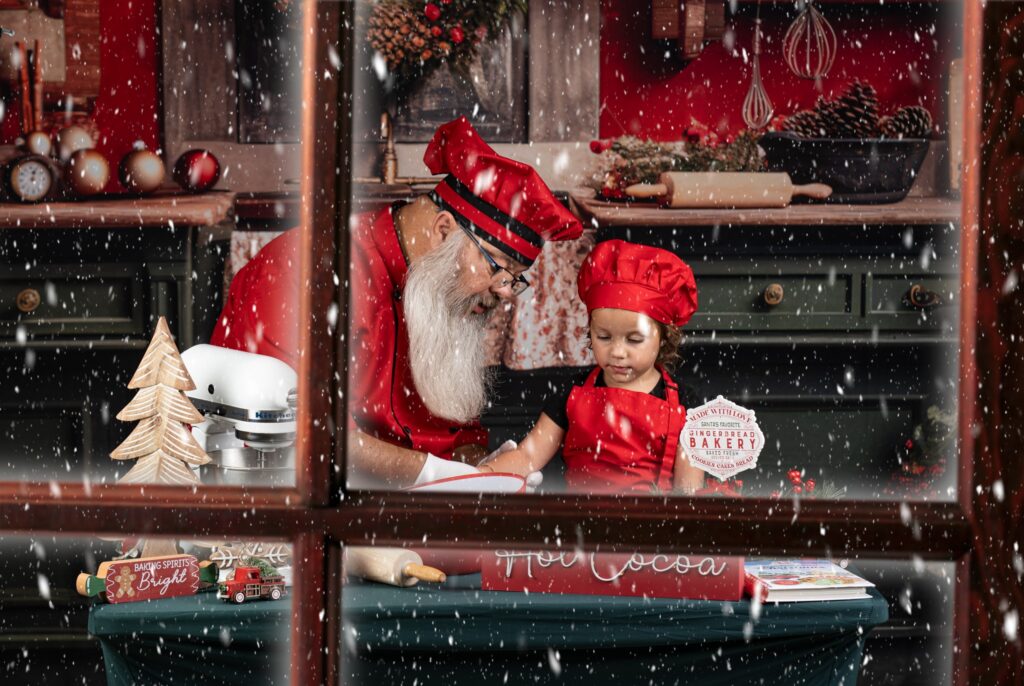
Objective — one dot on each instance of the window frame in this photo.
(320, 516)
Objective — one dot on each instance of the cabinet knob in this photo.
(920, 298)
(773, 294)
(28, 300)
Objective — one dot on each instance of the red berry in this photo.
(446, 2)
(598, 146)
(810, 485)
(436, 31)
(909, 445)
(432, 11)
(798, 489)
(457, 34)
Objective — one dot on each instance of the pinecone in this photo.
(854, 114)
(805, 123)
(395, 33)
(908, 122)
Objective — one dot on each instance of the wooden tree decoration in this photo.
(163, 445)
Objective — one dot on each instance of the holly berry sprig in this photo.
(796, 478)
(808, 488)
(797, 485)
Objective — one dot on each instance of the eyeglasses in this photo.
(516, 282)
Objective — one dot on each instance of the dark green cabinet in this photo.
(77, 308)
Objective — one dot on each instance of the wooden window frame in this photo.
(319, 520)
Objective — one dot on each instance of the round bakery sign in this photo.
(722, 438)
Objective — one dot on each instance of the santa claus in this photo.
(424, 276)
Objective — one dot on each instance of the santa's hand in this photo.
(435, 468)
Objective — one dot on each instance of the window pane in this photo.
(640, 619)
(836, 323)
(93, 281)
(270, 67)
(77, 615)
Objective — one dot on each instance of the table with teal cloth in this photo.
(461, 635)
(194, 640)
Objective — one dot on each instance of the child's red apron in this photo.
(621, 440)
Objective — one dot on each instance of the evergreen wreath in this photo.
(415, 38)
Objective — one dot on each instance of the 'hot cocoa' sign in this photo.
(150, 578)
(627, 574)
(722, 438)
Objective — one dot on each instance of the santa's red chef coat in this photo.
(260, 317)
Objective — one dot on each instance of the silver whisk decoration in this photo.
(809, 45)
(757, 107)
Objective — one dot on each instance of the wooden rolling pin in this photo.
(726, 189)
(395, 566)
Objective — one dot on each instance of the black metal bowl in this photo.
(859, 170)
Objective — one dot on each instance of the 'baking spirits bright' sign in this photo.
(722, 438)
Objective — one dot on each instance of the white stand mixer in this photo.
(249, 403)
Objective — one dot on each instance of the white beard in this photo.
(446, 351)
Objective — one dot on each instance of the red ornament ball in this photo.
(457, 34)
(432, 11)
(196, 170)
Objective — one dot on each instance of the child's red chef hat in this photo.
(638, 278)
(502, 201)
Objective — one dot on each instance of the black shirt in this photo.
(554, 405)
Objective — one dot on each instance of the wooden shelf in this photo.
(204, 209)
(916, 211)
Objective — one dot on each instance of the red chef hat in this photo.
(502, 201)
(638, 278)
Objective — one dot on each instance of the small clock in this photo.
(29, 178)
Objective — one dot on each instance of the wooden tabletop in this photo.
(908, 211)
(183, 209)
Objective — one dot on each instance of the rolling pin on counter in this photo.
(726, 189)
(393, 566)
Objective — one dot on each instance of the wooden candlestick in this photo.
(23, 87)
(37, 86)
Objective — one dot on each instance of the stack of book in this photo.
(802, 580)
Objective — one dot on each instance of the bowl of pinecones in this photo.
(846, 143)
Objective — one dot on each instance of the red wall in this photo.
(899, 53)
(128, 108)
(894, 47)
(128, 105)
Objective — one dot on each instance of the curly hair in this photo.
(668, 351)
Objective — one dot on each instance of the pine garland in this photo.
(628, 160)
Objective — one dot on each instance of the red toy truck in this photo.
(249, 582)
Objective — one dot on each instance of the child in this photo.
(619, 428)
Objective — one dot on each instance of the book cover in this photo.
(802, 580)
